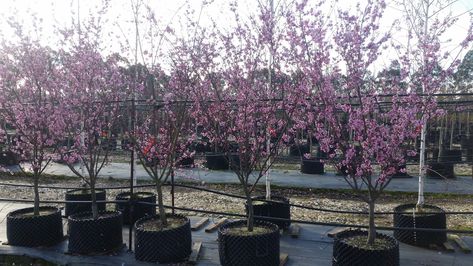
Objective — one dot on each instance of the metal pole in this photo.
(172, 191)
(132, 177)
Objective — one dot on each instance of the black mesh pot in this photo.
(139, 210)
(348, 255)
(83, 195)
(261, 250)
(34, 231)
(8, 158)
(312, 166)
(89, 236)
(216, 161)
(441, 170)
(173, 245)
(278, 209)
(420, 238)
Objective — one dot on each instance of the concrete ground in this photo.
(312, 247)
(289, 178)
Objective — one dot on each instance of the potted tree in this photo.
(242, 109)
(93, 88)
(30, 104)
(428, 21)
(360, 133)
(163, 137)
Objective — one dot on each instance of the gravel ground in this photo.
(328, 199)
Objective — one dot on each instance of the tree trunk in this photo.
(250, 220)
(372, 227)
(162, 213)
(36, 193)
(95, 211)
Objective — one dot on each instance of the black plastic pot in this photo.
(312, 166)
(348, 255)
(238, 250)
(84, 195)
(8, 158)
(27, 230)
(451, 156)
(440, 170)
(139, 210)
(201, 147)
(89, 236)
(278, 208)
(216, 161)
(299, 150)
(420, 238)
(173, 245)
(186, 162)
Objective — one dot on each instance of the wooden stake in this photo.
(332, 233)
(294, 231)
(283, 257)
(214, 226)
(195, 252)
(448, 247)
(199, 224)
(463, 246)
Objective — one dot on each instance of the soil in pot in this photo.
(26, 229)
(83, 195)
(139, 210)
(216, 161)
(312, 166)
(95, 236)
(237, 246)
(430, 217)
(350, 248)
(164, 244)
(278, 208)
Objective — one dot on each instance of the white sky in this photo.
(59, 12)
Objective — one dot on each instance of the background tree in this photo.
(360, 131)
(94, 87)
(30, 102)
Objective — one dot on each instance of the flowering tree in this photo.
(93, 91)
(426, 60)
(236, 104)
(164, 137)
(30, 103)
(361, 132)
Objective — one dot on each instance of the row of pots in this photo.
(87, 235)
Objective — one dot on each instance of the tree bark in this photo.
(250, 220)
(372, 226)
(36, 193)
(162, 213)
